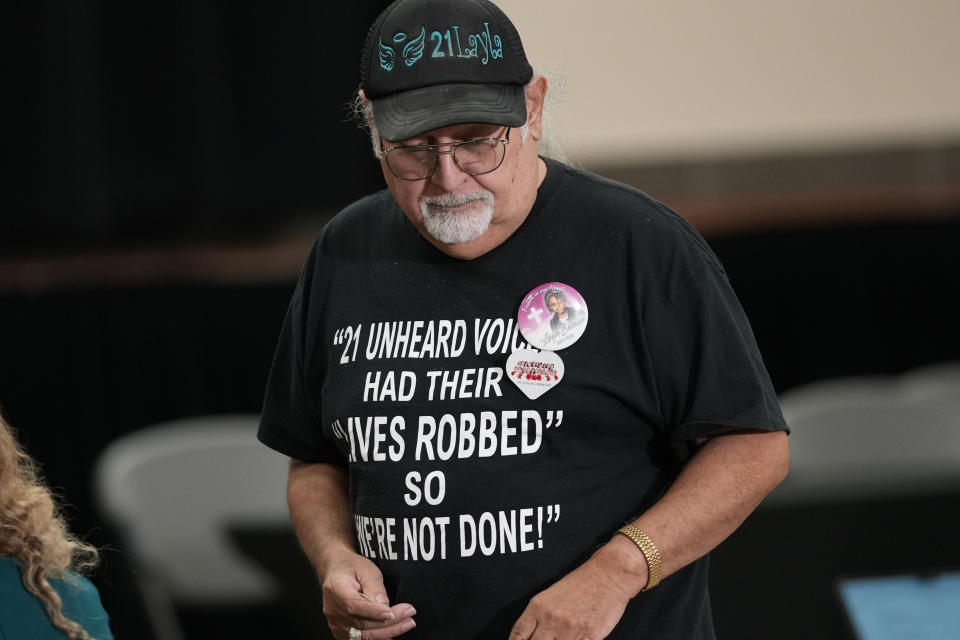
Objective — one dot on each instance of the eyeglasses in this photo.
(473, 157)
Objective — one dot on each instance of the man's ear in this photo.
(536, 91)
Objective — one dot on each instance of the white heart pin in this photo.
(534, 372)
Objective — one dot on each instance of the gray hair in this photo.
(549, 144)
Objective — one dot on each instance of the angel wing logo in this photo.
(413, 50)
(387, 57)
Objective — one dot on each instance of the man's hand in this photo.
(586, 604)
(354, 596)
(353, 591)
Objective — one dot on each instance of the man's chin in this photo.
(456, 229)
(446, 237)
(457, 224)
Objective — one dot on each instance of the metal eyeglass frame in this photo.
(437, 153)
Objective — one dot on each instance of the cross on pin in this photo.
(535, 314)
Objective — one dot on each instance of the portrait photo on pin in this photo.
(552, 316)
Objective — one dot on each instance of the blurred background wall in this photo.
(172, 162)
(695, 79)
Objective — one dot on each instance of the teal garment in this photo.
(22, 617)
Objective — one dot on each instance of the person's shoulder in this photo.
(11, 584)
(359, 215)
(19, 612)
(76, 586)
(619, 206)
(23, 616)
(81, 602)
(361, 228)
(612, 198)
(8, 567)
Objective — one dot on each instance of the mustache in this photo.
(457, 199)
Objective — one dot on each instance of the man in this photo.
(437, 495)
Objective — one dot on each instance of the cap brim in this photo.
(406, 115)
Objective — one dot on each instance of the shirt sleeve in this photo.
(706, 362)
(289, 422)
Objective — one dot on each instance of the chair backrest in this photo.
(174, 489)
(873, 437)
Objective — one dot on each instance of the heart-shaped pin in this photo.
(534, 372)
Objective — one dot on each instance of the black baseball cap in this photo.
(429, 64)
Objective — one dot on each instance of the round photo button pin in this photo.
(552, 316)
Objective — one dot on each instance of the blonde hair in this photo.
(34, 533)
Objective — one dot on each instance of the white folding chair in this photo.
(172, 490)
(873, 437)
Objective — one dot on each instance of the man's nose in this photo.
(447, 173)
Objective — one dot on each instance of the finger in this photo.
(524, 627)
(369, 612)
(403, 611)
(394, 615)
(371, 586)
(392, 630)
(344, 595)
(378, 597)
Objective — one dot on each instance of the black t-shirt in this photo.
(469, 496)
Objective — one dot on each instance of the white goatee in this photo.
(451, 226)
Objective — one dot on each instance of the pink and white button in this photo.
(552, 316)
